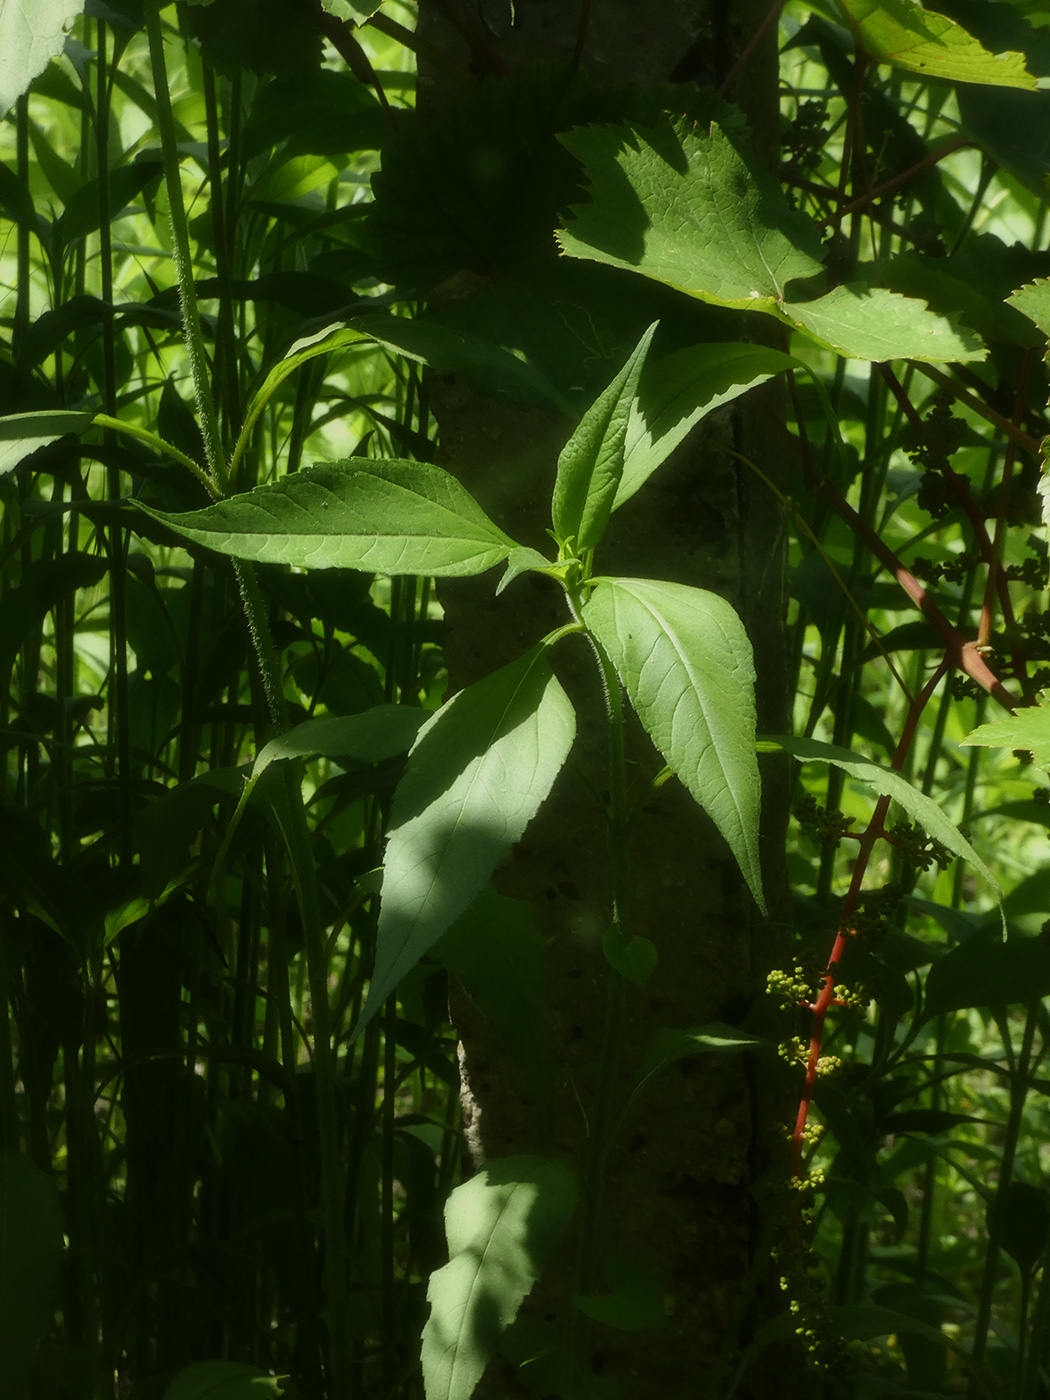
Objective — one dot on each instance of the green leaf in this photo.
(475, 778)
(921, 808)
(387, 516)
(30, 35)
(1028, 730)
(524, 560)
(636, 959)
(635, 1301)
(23, 433)
(372, 735)
(30, 1258)
(985, 971)
(499, 953)
(667, 1045)
(681, 205)
(1020, 1218)
(902, 33)
(591, 463)
(223, 1380)
(1034, 301)
(869, 323)
(685, 661)
(504, 1227)
(676, 392)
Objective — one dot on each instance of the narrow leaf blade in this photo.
(591, 463)
(921, 808)
(686, 663)
(475, 778)
(387, 516)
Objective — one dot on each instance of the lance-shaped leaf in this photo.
(686, 663)
(682, 205)
(386, 516)
(919, 41)
(372, 735)
(23, 433)
(675, 393)
(591, 463)
(921, 808)
(503, 1227)
(475, 778)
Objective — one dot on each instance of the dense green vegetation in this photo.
(229, 1089)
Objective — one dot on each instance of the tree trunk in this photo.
(678, 1196)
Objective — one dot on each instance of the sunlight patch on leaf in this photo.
(917, 40)
(32, 32)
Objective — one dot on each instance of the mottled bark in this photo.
(678, 1188)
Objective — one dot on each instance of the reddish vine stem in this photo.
(866, 843)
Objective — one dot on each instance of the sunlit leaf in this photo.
(869, 323)
(676, 392)
(371, 736)
(23, 433)
(928, 813)
(591, 463)
(1028, 730)
(680, 204)
(504, 1227)
(31, 33)
(686, 663)
(386, 516)
(475, 778)
(920, 41)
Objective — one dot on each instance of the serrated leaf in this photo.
(504, 1227)
(386, 516)
(31, 33)
(1034, 301)
(372, 735)
(902, 33)
(1028, 729)
(591, 463)
(677, 392)
(685, 661)
(869, 323)
(23, 433)
(923, 809)
(475, 778)
(681, 205)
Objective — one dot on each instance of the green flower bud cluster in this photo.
(828, 827)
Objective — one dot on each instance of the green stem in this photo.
(181, 243)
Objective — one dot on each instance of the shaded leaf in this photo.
(388, 516)
(1034, 301)
(685, 661)
(634, 1302)
(591, 463)
(1020, 1218)
(985, 971)
(223, 1380)
(475, 778)
(499, 953)
(636, 959)
(30, 1258)
(504, 1227)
